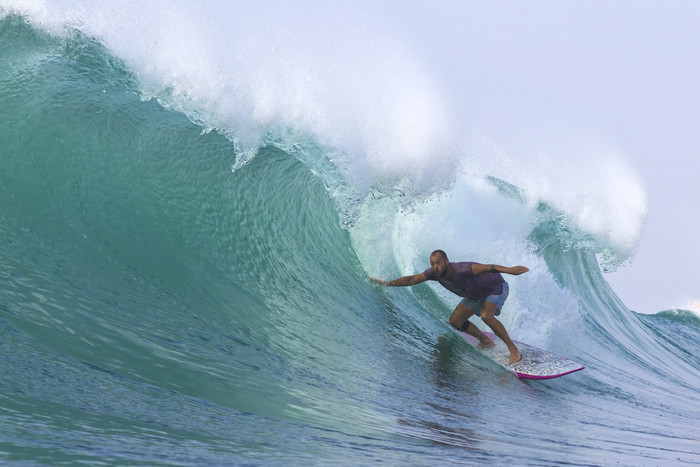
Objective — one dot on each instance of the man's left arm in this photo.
(513, 270)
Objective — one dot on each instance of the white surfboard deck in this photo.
(535, 363)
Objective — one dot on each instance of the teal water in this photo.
(158, 307)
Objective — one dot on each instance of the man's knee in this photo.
(460, 325)
(459, 319)
(488, 318)
(488, 313)
(460, 314)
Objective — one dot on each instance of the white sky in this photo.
(626, 72)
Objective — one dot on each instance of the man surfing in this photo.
(482, 289)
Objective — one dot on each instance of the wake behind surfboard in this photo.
(535, 363)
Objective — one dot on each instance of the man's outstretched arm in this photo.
(482, 268)
(404, 281)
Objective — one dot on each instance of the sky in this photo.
(623, 73)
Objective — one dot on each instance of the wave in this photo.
(151, 294)
(369, 103)
(681, 316)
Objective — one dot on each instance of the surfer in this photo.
(482, 289)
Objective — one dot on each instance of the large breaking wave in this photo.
(190, 208)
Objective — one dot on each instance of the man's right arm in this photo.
(404, 281)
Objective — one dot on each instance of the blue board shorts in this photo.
(498, 300)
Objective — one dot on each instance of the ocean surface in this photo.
(185, 244)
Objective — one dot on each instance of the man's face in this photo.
(439, 264)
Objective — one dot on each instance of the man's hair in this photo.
(439, 252)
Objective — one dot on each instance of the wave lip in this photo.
(250, 67)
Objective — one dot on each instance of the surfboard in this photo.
(535, 363)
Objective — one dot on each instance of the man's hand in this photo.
(517, 270)
(378, 281)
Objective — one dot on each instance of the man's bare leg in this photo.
(488, 316)
(460, 316)
(484, 341)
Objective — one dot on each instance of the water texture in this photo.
(179, 292)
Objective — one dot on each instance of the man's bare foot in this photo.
(514, 357)
(485, 343)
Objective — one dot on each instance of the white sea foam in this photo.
(577, 174)
(691, 305)
(247, 67)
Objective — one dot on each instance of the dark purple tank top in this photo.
(465, 284)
